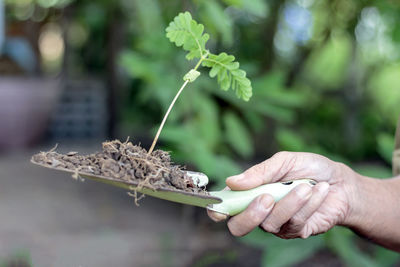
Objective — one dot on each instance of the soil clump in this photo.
(124, 162)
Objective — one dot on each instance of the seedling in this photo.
(185, 32)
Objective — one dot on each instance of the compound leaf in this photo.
(186, 32)
(228, 74)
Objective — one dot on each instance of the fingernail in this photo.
(266, 201)
(216, 216)
(236, 178)
(219, 217)
(303, 191)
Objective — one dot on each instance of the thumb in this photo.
(270, 170)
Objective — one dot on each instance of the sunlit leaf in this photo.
(228, 74)
(384, 88)
(186, 32)
(327, 66)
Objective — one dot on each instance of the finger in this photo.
(295, 226)
(252, 216)
(286, 208)
(268, 171)
(216, 216)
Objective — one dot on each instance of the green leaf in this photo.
(385, 257)
(206, 119)
(282, 252)
(186, 32)
(190, 147)
(144, 11)
(280, 114)
(257, 238)
(290, 140)
(138, 66)
(255, 121)
(384, 89)
(222, 167)
(385, 146)
(236, 3)
(373, 170)
(327, 66)
(289, 252)
(217, 21)
(228, 74)
(237, 135)
(340, 240)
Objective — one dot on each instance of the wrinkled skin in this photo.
(306, 210)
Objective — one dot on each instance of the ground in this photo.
(58, 221)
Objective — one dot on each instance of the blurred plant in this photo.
(216, 258)
(34, 10)
(20, 258)
(281, 252)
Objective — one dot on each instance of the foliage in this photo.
(340, 241)
(281, 252)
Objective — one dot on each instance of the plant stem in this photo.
(166, 116)
(172, 104)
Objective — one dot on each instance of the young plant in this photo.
(188, 34)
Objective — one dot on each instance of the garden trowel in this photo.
(225, 201)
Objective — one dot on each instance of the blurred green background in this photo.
(325, 75)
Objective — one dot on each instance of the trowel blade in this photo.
(188, 198)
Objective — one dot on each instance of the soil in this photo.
(124, 162)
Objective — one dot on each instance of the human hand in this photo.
(303, 212)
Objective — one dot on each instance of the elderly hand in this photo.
(306, 210)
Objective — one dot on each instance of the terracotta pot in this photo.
(25, 108)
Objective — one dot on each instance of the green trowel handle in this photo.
(234, 202)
